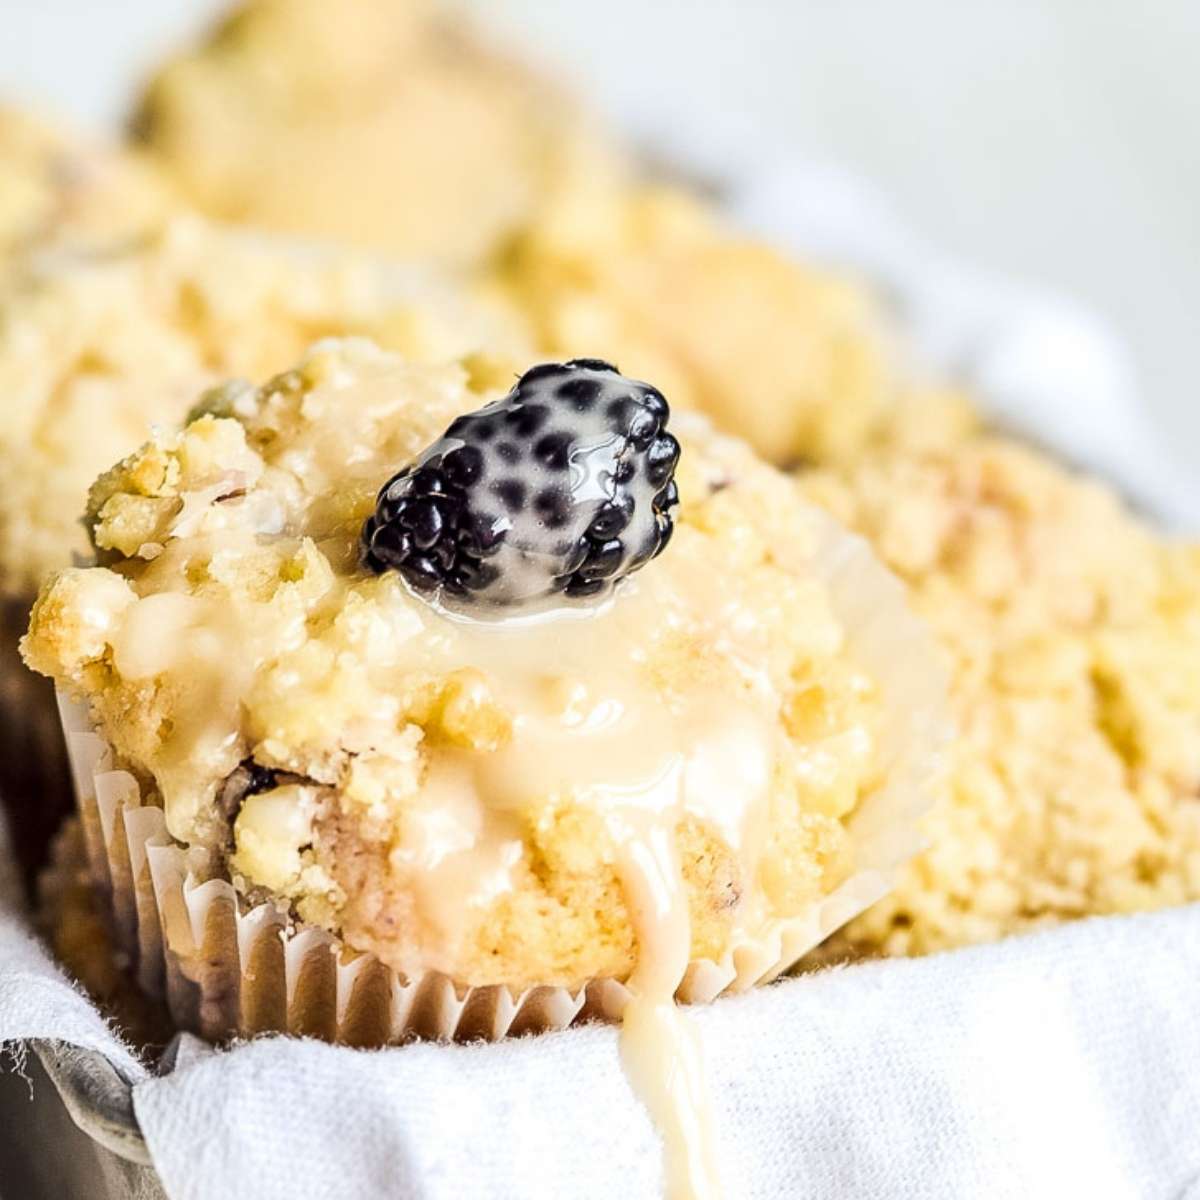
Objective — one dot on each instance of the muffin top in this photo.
(1072, 629)
(381, 123)
(62, 189)
(799, 362)
(95, 351)
(487, 792)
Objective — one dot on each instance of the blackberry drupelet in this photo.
(565, 486)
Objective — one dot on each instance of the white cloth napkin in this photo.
(1066, 1064)
(36, 1001)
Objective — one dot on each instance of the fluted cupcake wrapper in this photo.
(228, 969)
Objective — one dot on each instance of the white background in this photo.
(1055, 141)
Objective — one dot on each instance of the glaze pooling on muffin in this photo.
(565, 486)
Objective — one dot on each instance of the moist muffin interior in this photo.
(453, 794)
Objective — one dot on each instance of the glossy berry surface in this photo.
(562, 488)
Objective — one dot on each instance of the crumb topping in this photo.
(1072, 631)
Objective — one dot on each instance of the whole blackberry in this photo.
(565, 486)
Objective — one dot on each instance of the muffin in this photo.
(61, 189)
(1072, 633)
(438, 689)
(380, 123)
(800, 363)
(98, 350)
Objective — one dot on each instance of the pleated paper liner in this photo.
(35, 783)
(226, 969)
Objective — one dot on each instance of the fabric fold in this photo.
(1047, 1066)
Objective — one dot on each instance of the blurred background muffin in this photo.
(388, 125)
(1072, 633)
(61, 189)
(61, 195)
(802, 363)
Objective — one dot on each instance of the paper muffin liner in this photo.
(228, 969)
(35, 782)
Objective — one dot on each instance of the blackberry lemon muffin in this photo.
(381, 123)
(97, 350)
(1072, 631)
(799, 362)
(532, 697)
(61, 189)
